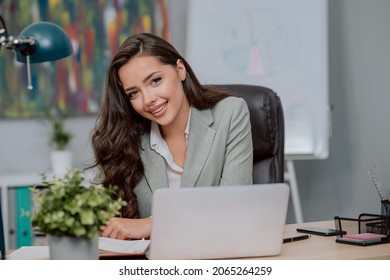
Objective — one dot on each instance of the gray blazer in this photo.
(219, 152)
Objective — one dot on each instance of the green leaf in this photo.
(66, 207)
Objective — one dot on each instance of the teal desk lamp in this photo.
(38, 42)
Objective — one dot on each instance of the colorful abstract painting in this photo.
(73, 85)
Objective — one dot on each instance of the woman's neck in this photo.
(174, 136)
(177, 128)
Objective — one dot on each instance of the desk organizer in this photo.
(385, 207)
(365, 223)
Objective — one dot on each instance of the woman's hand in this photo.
(123, 228)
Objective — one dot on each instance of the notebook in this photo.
(218, 222)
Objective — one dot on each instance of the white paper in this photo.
(123, 246)
(30, 253)
(107, 244)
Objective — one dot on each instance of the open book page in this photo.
(108, 245)
(123, 246)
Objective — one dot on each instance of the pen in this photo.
(296, 238)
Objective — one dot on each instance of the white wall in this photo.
(359, 92)
(24, 144)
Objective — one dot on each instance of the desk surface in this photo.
(325, 247)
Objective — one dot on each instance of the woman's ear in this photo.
(181, 69)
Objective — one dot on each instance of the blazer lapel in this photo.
(155, 166)
(200, 140)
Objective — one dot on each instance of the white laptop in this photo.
(218, 222)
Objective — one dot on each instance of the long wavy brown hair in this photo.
(116, 139)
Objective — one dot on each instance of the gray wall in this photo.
(359, 43)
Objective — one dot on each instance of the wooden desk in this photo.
(321, 247)
(325, 247)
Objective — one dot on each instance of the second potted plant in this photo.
(60, 156)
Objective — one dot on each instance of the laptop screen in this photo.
(218, 222)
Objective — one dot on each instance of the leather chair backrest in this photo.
(267, 121)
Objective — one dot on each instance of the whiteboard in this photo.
(280, 44)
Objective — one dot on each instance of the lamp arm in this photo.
(3, 37)
(3, 22)
(23, 45)
(3, 31)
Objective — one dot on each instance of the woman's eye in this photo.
(132, 94)
(156, 81)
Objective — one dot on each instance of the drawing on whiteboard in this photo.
(278, 44)
(255, 43)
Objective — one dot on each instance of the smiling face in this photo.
(155, 90)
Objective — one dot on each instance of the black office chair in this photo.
(2, 241)
(266, 114)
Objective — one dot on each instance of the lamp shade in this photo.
(50, 43)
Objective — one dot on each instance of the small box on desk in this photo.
(367, 229)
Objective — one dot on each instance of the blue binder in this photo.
(23, 217)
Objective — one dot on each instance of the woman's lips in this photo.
(156, 111)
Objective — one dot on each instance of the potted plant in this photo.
(71, 214)
(60, 156)
(60, 137)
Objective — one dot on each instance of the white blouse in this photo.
(158, 144)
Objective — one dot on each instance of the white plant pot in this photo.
(73, 248)
(60, 161)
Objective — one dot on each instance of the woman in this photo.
(158, 127)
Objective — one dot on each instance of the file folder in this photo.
(23, 217)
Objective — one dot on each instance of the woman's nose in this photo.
(149, 97)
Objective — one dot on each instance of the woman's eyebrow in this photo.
(143, 81)
(149, 76)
